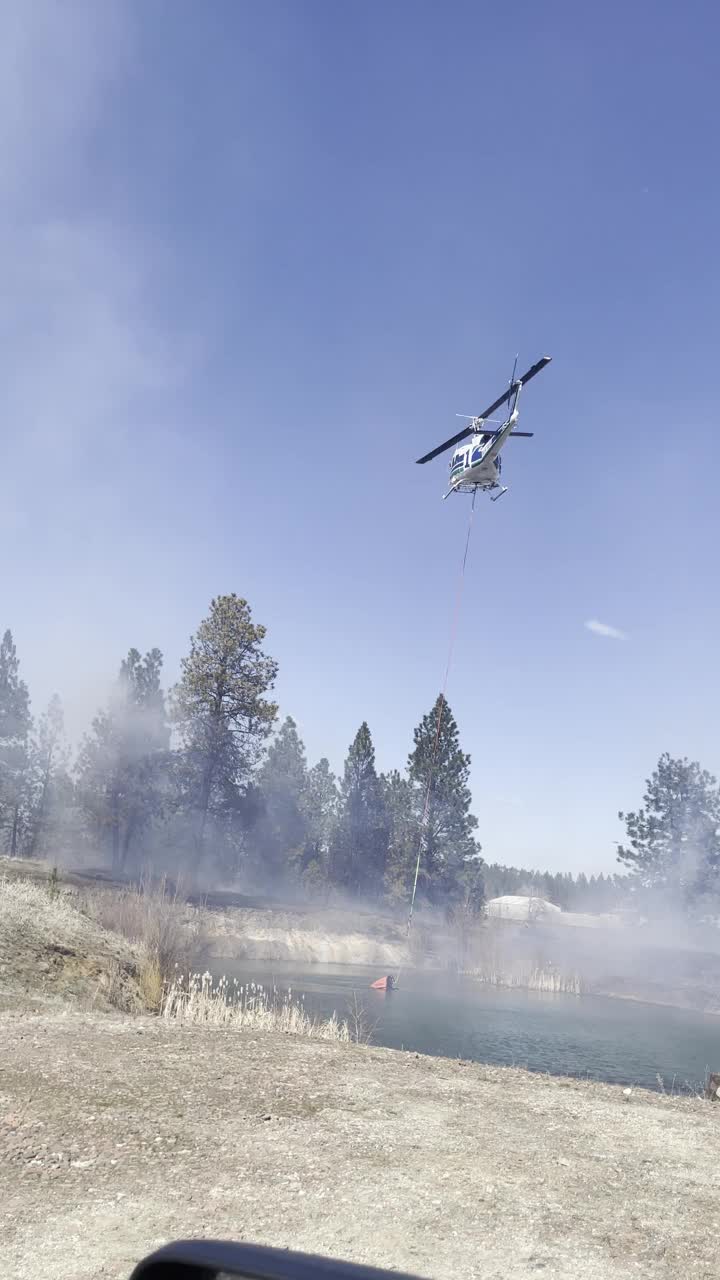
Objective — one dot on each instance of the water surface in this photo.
(619, 1041)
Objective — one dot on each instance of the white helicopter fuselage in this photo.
(477, 464)
(470, 469)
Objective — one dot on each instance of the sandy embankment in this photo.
(303, 937)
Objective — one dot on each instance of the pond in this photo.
(618, 1041)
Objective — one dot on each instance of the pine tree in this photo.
(558, 893)
(465, 909)
(52, 790)
(403, 837)
(439, 771)
(673, 848)
(321, 812)
(580, 896)
(15, 725)
(123, 763)
(280, 838)
(223, 718)
(546, 886)
(359, 849)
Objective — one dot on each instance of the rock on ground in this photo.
(118, 1134)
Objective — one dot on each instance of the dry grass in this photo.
(360, 1028)
(152, 915)
(49, 949)
(531, 980)
(245, 1006)
(30, 907)
(151, 982)
(675, 1088)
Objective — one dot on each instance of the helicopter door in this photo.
(459, 462)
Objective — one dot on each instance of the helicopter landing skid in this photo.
(477, 488)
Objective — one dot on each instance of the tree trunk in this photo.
(126, 842)
(205, 805)
(40, 815)
(14, 836)
(115, 832)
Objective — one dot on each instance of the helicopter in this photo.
(477, 464)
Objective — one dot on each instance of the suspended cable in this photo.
(441, 709)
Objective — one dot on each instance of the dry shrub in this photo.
(245, 1006)
(152, 983)
(154, 916)
(360, 1028)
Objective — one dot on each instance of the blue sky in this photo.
(255, 258)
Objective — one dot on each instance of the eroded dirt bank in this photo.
(119, 1133)
(303, 937)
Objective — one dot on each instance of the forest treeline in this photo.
(205, 779)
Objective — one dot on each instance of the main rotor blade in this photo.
(514, 386)
(526, 434)
(448, 444)
(468, 431)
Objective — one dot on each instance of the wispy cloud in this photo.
(602, 629)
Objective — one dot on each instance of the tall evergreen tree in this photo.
(321, 812)
(403, 837)
(360, 846)
(122, 766)
(15, 725)
(673, 848)
(223, 717)
(52, 790)
(281, 834)
(439, 771)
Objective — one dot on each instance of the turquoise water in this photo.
(619, 1041)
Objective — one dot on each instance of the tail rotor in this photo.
(512, 384)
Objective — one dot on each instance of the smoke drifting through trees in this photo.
(674, 839)
(123, 765)
(195, 782)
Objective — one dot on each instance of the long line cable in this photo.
(441, 709)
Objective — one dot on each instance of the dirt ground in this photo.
(119, 1133)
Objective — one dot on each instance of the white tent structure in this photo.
(520, 907)
(524, 908)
